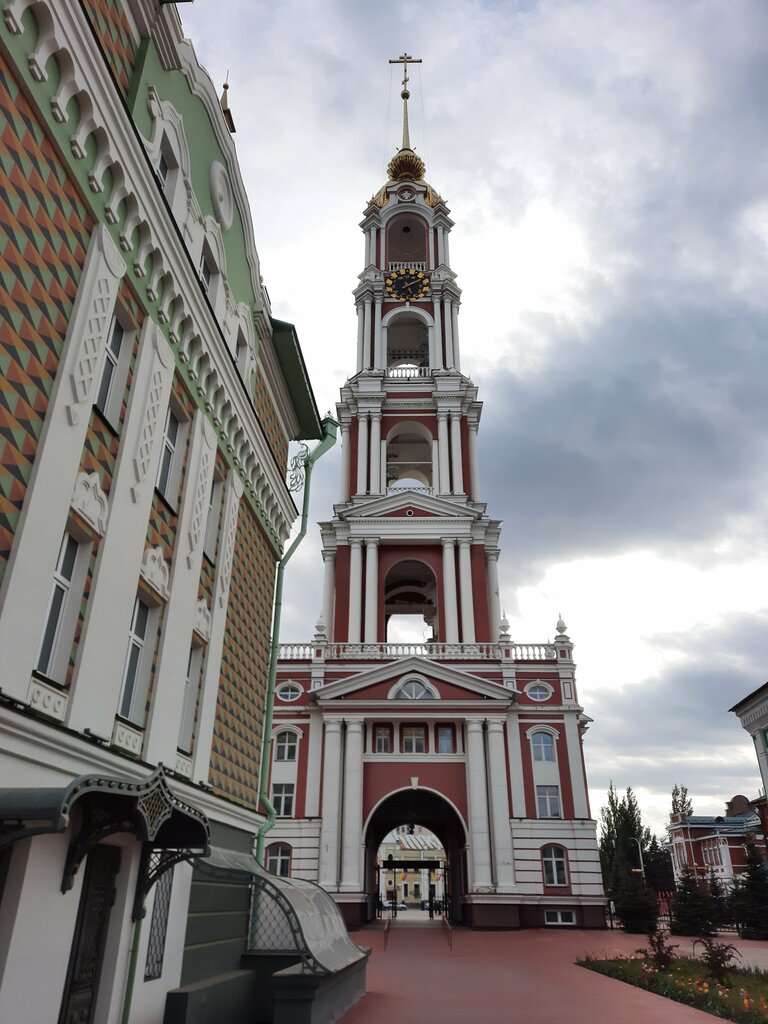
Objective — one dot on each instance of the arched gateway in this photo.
(474, 736)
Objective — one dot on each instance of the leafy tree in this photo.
(636, 905)
(681, 802)
(693, 912)
(621, 828)
(750, 897)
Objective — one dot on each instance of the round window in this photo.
(539, 691)
(289, 691)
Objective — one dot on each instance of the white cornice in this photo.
(435, 670)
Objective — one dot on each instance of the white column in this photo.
(494, 600)
(431, 248)
(345, 463)
(383, 466)
(457, 474)
(502, 834)
(431, 344)
(329, 592)
(355, 589)
(352, 838)
(384, 357)
(455, 335)
(377, 361)
(449, 594)
(362, 453)
(448, 323)
(761, 746)
(474, 473)
(438, 337)
(371, 590)
(375, 453)
(29, 574)
(436, 485)
(465, 586)
(446, 249)
(516, 767)
(440, 245)
(576, 766)
(442, 443)
(367, 335)
(314, 762)
(329, 830)
(480, 850)
(360, 338)
(374, 237)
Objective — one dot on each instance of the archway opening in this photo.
(407, 342)
(410, 609)
(409, 458)
(407, 243)
(402, 825)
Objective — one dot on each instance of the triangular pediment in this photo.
(391, 671)
(417, 501)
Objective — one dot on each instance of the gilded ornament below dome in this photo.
(381, 198)
(432, 198)
(406, 166)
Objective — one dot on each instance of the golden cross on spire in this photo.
(405, 59)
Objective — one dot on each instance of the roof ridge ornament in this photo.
(406, 165)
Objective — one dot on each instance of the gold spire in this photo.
(406, 165)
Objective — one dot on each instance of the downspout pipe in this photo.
(330, 434)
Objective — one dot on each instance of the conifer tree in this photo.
(692, 910)
(681, 802)
(636, 905)
(750, 897)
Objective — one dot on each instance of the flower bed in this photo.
(744, 999)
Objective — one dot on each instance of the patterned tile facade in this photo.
(44, 232)
(112, 29)
(237, 730)
(163, 520)
(270, 421)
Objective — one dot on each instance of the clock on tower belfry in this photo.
(412, 711)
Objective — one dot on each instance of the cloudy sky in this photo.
(606, 164)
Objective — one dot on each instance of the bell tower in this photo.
(410, 533)
(412, 704)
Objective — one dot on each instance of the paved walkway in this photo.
(495, 977)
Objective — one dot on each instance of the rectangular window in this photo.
(413, 739)
(162, 170)
(165, 469)
(285, 746)
(212, 521)
(282, 799)
(189, 707)
(382, 739)
(548, 801)
(554, 866)
(109, 368)
(206, 273)
(132, 673)
(62, 584)
(559, 917)
(159, 928)
(445, 740)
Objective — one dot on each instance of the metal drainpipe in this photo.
(330, 433)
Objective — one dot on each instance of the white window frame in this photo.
(556, 857)
(288, 688)
(548, 800)
(215, 502)
(116, 363)
(539, 686)
(543, 741)
(382, 732)
(137, 641)
(450, 731)
(192, 682)
(556, 917)
(276, 857)
(283, 801)
(411, 733)
(286, 743)
(65, 579)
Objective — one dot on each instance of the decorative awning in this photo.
(98, 806)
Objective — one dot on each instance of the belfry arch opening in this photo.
(409, 457)
(406, 242)
(410, 609)
(409, 813)
(407, 342)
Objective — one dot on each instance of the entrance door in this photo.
(85, 960)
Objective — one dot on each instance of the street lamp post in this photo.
(634, 839)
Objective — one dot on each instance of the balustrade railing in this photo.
(437, 651)
(407, 265)
(419, 488)
(406, 372)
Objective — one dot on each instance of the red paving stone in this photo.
(492, 977)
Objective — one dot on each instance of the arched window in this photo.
(285, 746)
(543, 744)
(413, 689)
(554, 866)
(278, 859)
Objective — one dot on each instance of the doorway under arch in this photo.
(433, 812)
(410, 607)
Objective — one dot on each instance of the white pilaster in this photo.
(329, 592)
(448, 324)
(362, 453)
(442, 443)
(502, 834)
(345, 463)
(455, 334)
(516, 777)
(457, 473)
(465, 585)
(384, 347)
(98, 677)
(377, 360)
(576, 767)
(494, 600)
(371, 590)
(29, 575)
(480, 850)
(352, 839)
(329, 830)
(355, 589)
(367, 335)
(449, 594)
(438, 363)
(431, 247)
(474, 474)
(375, 453)
(440, 245)
(360, 338)
(383, 466)
(314, 762)
(436, 485)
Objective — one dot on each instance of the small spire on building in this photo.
(224, 104)
(504, 634)
(406, 165)
(560, 627)
(320, 631)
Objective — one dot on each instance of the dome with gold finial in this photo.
(405, 165)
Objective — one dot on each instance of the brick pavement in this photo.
(495, 977)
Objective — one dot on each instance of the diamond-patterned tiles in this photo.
(113, 31)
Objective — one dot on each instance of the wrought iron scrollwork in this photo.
(297, 468)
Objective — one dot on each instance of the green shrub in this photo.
(637, 906)
(693, 911)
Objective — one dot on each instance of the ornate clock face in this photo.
(407, 284)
